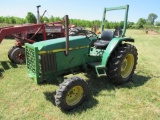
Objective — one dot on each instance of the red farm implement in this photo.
(30, 33)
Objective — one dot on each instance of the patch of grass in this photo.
(6, 24)
(21, 98)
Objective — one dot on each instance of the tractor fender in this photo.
(111, 46)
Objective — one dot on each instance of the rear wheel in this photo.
(122, 63)
(71, 93)
(18, 55)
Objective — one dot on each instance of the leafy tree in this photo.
(1, 19)
(130, 24)
(148, 23)
(20, 20)
(141, 22)
(106, 24)
(12, 20)
(57, 19)
(151, 18)
(45, 19)
(30, 18)
(115, 24)
(88, 24)
(121, 24)
(157, 23)
(6, 19)
(51, 19)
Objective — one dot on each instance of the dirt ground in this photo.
(152, 33)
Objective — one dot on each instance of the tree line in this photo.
(30, 18)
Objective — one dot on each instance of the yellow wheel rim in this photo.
(74, 95)
(127, 66)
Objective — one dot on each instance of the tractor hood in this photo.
(59, 43)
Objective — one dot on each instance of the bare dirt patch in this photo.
(152, 33)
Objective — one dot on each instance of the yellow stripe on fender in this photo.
(61, 50)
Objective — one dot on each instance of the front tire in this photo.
(71, 93)
(122, 63)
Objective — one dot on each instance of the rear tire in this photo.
(18, 55)
(71, 93)
(122, 63)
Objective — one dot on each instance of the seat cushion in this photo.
(101, 43)
(107, 35)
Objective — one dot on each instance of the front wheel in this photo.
(71, 93)
(122, 63)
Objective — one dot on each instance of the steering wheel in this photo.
(90, 34)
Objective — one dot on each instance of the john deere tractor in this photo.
(108, 54)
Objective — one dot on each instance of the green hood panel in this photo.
(59, 43)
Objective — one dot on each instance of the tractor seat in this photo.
(106, 37)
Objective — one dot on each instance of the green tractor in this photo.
(108, 54)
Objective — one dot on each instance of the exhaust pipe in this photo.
(38, 15)
(67, 34)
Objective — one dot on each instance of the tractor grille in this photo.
(48, 62)
(40, 64)
(31, 58)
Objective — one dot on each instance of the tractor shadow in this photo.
(136, 81)
(50, 97)
(6, 65)
(96, 85)
(89, 102)
(1, 75)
